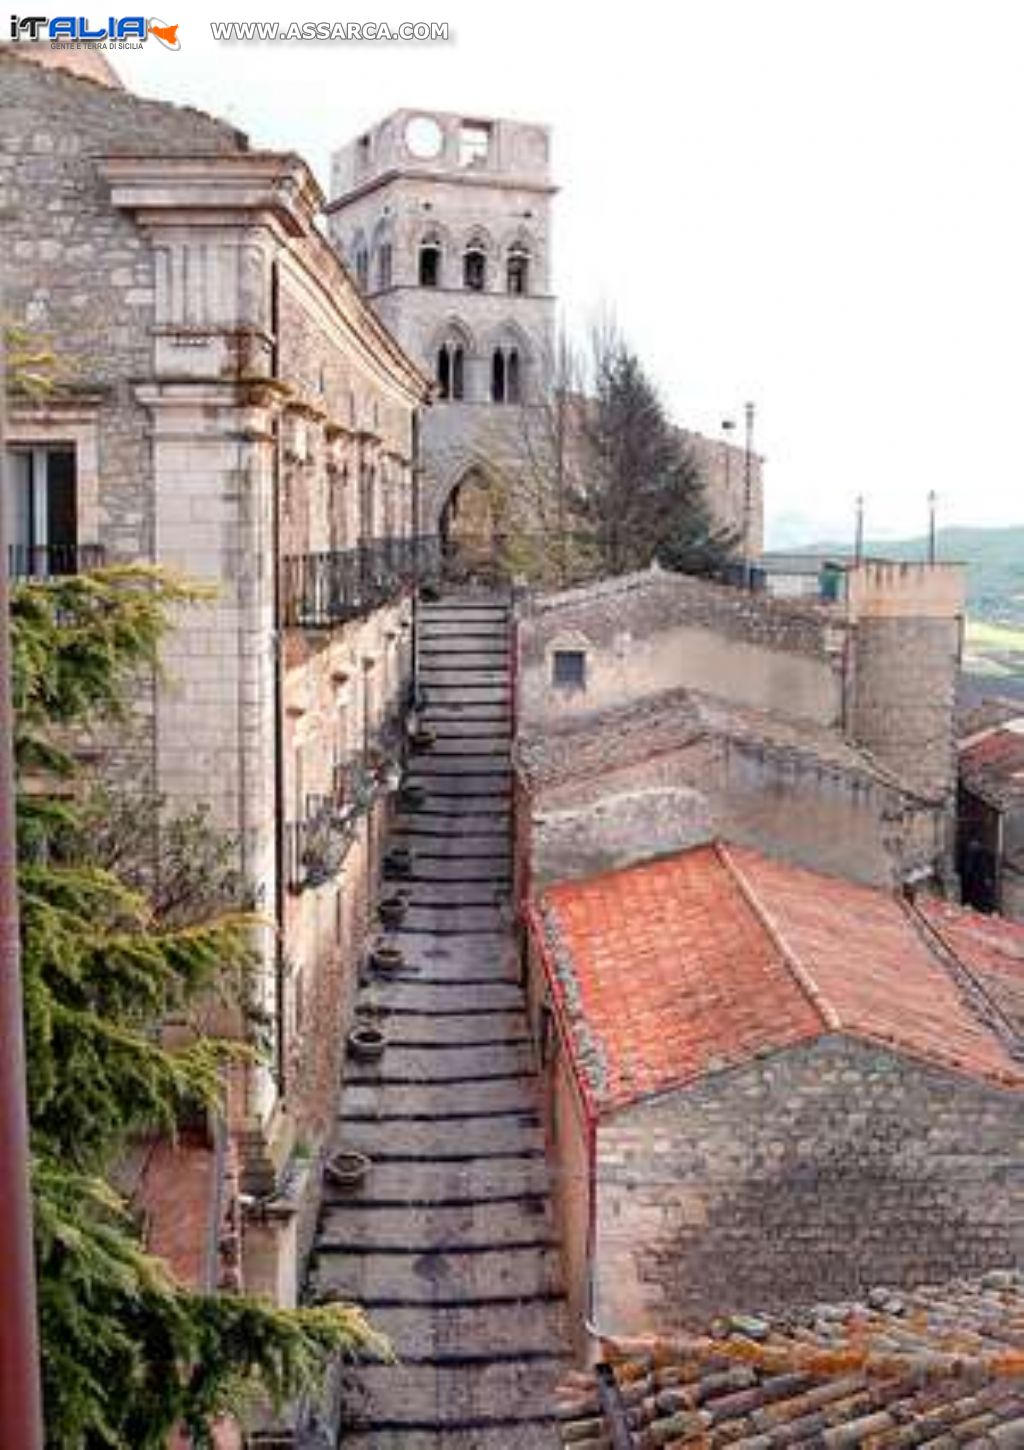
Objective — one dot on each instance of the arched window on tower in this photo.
(512, 384)
(474, 269)
(360, 258)
(506, 375)
(384, 266)
(430, 264)
(451, 369)
(517, 271)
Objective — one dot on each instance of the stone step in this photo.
(527, 1329)
(427, 891)
(438, 804)
(450, 1275)
(498, 995)
(477, 1225)
(453, 604)
(451, 656)
(483, 634)
(442, 677)
(489, 748)
(456, 1184)
(468, 870)
(452, 920)
(477, 959)
(442, 1139)
(426, 838)
(469, 1029)
(469, 785)
(505, 1095)
(451, 760)
(455, 1064)
(456, 716)
(436, 617)
(466, 692)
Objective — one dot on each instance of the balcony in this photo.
(320, 591)
(52, 561)
(316, 845)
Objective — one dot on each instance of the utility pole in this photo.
(748, 495)
(858, 548)
(933, 499)
(21, 1416)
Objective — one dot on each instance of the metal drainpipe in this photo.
(279, 774)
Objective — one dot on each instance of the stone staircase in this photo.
(450, 1244)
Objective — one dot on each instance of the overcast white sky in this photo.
(816, 205)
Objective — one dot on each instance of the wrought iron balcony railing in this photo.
(50, 561)
(316, 845)
(326, 589)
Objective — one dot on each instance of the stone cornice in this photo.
(277, 184)
(489, 181)
(278, 191)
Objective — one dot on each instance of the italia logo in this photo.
(79, 28)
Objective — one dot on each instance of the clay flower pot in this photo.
(398, 861)
(392, 910)
(347, 1169)
(385, 958)
(423, 737)
(412, 796)
(366, 1043)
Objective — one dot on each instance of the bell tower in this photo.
(445, 221)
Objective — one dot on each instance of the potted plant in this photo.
(423, 736)
(347, 1169)
(398, 861)
(387, 958)
(366, 1042)
(392, 909)
(412, 795)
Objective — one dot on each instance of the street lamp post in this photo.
(748, 494)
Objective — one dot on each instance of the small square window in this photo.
(569, 669)
(474, 143)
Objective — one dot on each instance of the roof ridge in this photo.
(822, 1006)
(976, 995)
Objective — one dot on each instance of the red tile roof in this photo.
(991, 948)
(992, 764)
(675, 968)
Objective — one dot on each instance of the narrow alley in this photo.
(450, 1242)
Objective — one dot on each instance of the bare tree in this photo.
(601, 481)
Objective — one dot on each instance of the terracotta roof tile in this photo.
(936, 1366)
(675, 968)
(990, 947)
(992, 764)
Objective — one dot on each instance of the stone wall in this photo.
(797, 809)
(644, 634)
(811, 1175)
(903, 697)
(227, 393)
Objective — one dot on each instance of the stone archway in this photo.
(473, 527)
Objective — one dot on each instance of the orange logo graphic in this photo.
(166, 34)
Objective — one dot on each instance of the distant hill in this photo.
(995, 560)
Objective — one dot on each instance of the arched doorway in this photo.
(473, 528)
